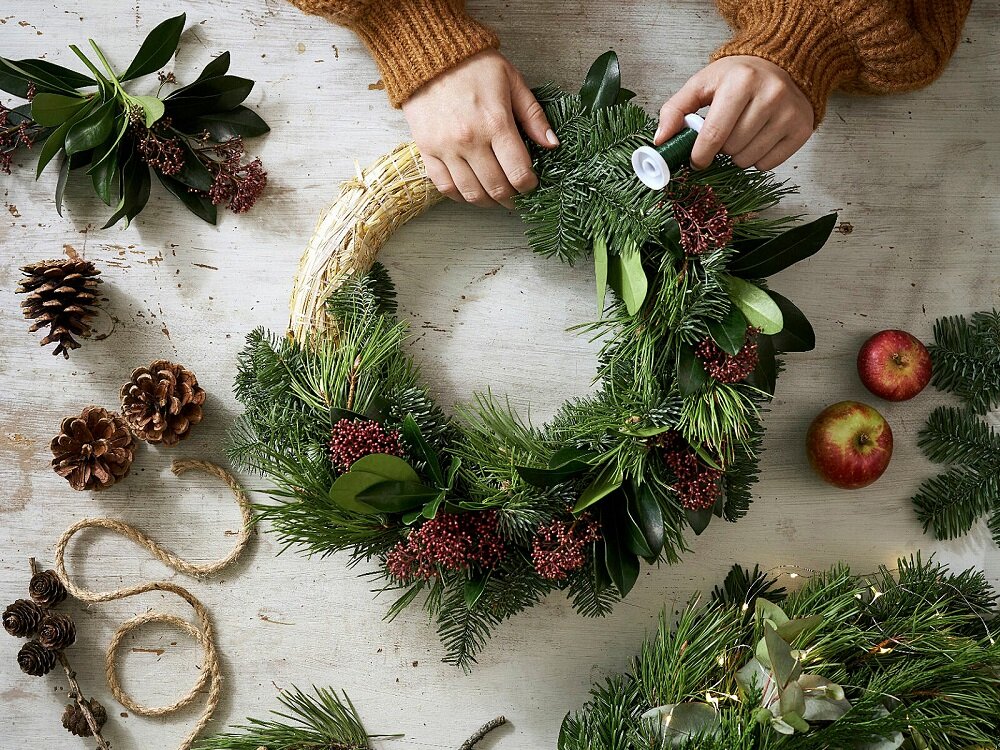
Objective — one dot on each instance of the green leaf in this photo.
(110, 147)
(217, 67)
(344, 491)
(680, 722)
(706, 457)
(418, 443)
(17, 75)
(790, 630)
(208, 96)
(91, 131)
(388, 467)
(392, 496)
(621, 563)
(197, 203)
(730, 333)
(779, 653)
(624, 95)
(52, 110)
(796, 335)
(64, 168)
(765, 374)
(152, 107)
(601, 270)
(784, 250)
(756, 305)
(603, 82)
(194, 174)
(565, 464)
(627, 277)
(698, 520)
(608, 479)
(430, 509)
(644, 432)
(103, 174)
(134, 186)
(579, 458)
(474, 589)
(792, 701)
(157, 49)
(54, 143)
(691, 373)
(647, 513)
(635, 540)
(240, 121)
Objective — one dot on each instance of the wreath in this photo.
(904, 659)
(482, 513)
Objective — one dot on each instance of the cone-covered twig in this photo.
(22, 618)
(74, 720)
(46, 589)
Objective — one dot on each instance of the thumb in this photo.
(529, 113)
(693, 95)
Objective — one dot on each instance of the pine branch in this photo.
(966, 357)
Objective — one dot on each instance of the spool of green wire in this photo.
(677, 151)
(653, 164)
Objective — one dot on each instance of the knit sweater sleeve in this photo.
(864, 46)
(412, 41)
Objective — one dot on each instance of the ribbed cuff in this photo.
(799, 38)
(413, 41)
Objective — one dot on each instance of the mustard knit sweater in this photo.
(867, 46)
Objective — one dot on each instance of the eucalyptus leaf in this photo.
(391, 496)
(793, 700)
(797, 334)
(680, 722)
(157, 49)
(779, 653)
(778, 253)
(608, 480)
(792, 629)
(756, 305)
(92, 130)
(691, 373)
(603, 82)
(197, 203)
(730, 333)
(770, 612)
(627, 278)
(52, 110)
(601, 270)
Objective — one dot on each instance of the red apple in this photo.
(849, 444)
(894, 365)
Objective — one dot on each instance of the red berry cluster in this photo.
(14, 136)
(236, 184)
(703, 219)
(352, 439)
(697, 485)
(450, 541)
(164, 154)
(558, 549)
(725, 367)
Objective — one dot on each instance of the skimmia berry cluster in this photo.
(352, 439)
(702, 218)
(450, 541)
(191, 139)
(729, 368)
(560, 548)
(698, 486)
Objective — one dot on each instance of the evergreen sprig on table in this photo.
(191, 138)
(966, 357)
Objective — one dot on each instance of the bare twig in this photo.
(75, 693)
(484, 730)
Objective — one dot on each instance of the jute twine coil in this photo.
(203, 633)
(351, 231)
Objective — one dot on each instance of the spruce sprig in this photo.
(966, 356)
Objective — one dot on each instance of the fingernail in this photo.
(658, 134)
(550, 136)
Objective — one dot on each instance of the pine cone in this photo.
(22, 618)
(61, 295)
(75, 722)
(46, 589)
(161, 402)
(57, 632)
(35, 659)
(94, 450)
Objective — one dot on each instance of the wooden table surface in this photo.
(914, 175)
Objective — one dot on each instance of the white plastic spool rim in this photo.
(650, 167)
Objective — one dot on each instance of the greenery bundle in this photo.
(966, 358)
(191, 139)
(892, 660)
(484, 513)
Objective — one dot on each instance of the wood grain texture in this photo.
(915, 176)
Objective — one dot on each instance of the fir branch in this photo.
(966, 357)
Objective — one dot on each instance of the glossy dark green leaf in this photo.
(388, 467)
(757, 306)
(134, 188)
(603, 82)
(691, 374)
(621, 563)
(635, 540)
(602, 581)
(474, 589)
(624, 95)
(545, 477)
(397, 497)
(415, 439)
(193, 173)
(61, 183)
(93, 130)
(157, 48)
(103, 175)
(577, 457)
(16, 76)
(209, 96)
(240, 121)
(730, 333)
(765, 375)
(344, 491)
(648, 514)
(787, 248)
(608, 480)
(52, 110)
(54, 143)
(796, 335)
(430, 509)
(699, 520)
(197, 203)
(645, 432)
(217, 67)
(110, 147)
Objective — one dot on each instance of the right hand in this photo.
(465, 125)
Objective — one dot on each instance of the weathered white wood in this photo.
(915, 175)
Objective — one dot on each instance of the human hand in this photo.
(759, 116)
(465, 125)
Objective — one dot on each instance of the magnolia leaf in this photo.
(601, 270)
(756, 305)
(730, 333)
(621, 563)
(680, 722)
(565, 464)
(157, 49)
(388, 467)
(765, 375)
(797, 334)
(624, 95)
(691, 373)
(578, 458)
(608, 480)
(152, 107)
(635, 538)
(390, 496)
(649, 516)
(344, 491)
(782, 251)
(418, 444)
(628, 279)
(698, 519)
(52, 110)
(603, 83)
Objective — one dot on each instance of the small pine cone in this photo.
(22, 618)
(161, 402)
(46, 589)
(94, 450)
(35, 659)
(57, 631)
(74, 721)
(61, 295)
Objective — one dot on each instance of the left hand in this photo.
(759, 116)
